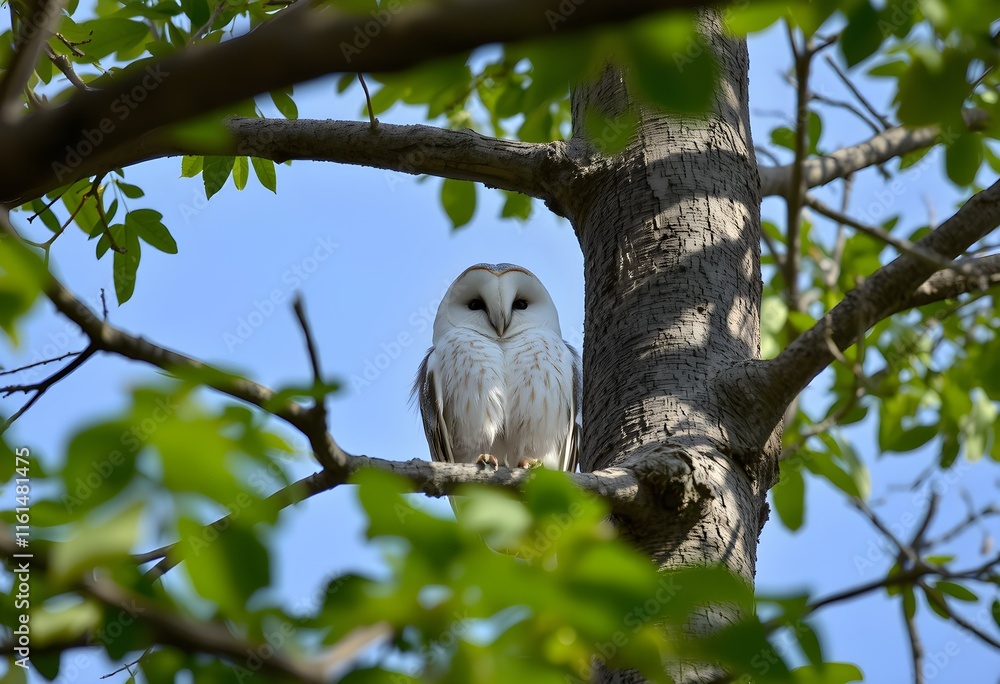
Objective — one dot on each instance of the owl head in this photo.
(496, 300)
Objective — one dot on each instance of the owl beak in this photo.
(499, 320)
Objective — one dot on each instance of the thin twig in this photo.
(328, 453)
(916, 647)
(368, 99)
(881, 234)
(972, 518)
(854, 91)
(955, 617)
(66, 67)
(39, 363)
(204, 28)
(42, 387)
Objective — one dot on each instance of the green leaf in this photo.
(808, 642)
(956, 590)
(822, 464)
(782, 136)
(264, 169)
(516, 206)
(995, 609)
(814, 131)
(828, 673)
(126, 265)
(147, 224)
(22, 279)
(285, 104)
(909, 602)
(963, 158)
(241, 172)
(226, 567)
(863, 35)
(100, 462)
(458, 198)
(101, 37)
(46, 214)
(671, 65)
(129, 190)
(94, 545)
(934, 89)
(191, 166)
(935, 599)
(789, 498)
(216, 173)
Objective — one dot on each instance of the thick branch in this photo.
(620, 487)
(977, 275)
(895, 142)
(884, 293)
(538, 170)
(312, 39)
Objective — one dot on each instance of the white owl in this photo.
(500, 385)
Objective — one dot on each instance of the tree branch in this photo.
(176, 629)
(313, 39)
(878, 233)
(105, 337)
(781, 379)
(620, 487)
(31, 40)
(535, 169)
(895, 142)
(976, 275)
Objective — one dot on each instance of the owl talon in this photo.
(529, 463)
(487, 459)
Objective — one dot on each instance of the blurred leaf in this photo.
(789, 498)
(227, 567)
(94, 545)
(963, 158)
(459, 201)
(828, 673)
(863, 34)
(22, 279)
(956, 590)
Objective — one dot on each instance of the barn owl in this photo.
(500, 386)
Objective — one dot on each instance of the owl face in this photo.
(498, 301)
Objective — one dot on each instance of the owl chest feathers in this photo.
(508, 397)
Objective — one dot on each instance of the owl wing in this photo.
(571, 450)
(428, 393)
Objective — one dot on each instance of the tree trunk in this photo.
(670, 233)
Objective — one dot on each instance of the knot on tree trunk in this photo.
(666, 477)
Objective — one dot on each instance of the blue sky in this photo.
(372, 252)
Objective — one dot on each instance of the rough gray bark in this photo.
(670, 232)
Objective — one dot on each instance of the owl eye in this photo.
(521, 304)
(476, 305)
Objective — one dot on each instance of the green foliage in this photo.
(166, 465)
(22, 279)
